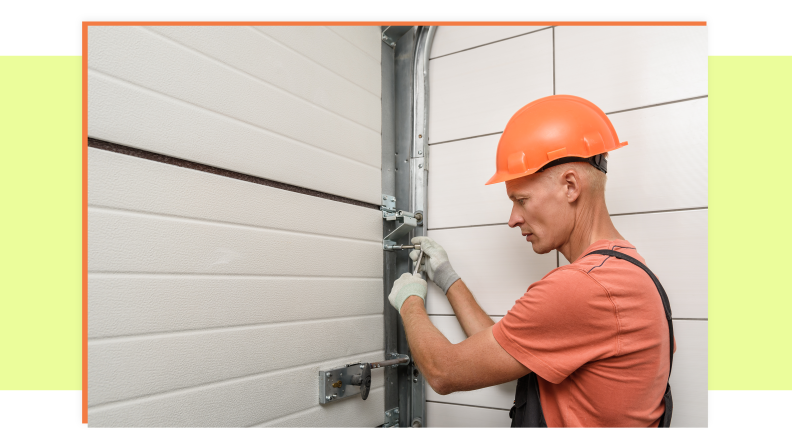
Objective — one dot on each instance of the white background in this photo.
(54, 28)
(44, 28)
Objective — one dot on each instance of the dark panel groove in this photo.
(151, 156)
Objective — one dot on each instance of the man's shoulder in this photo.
(596, 269)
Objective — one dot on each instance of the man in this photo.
(594, 332)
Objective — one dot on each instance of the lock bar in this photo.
(352, 379)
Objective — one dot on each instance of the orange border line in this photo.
(627, 23)
(85, 26)
(85, 223)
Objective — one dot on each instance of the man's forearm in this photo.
(427, 345)
(470, 315)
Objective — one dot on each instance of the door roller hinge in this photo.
(407, 221)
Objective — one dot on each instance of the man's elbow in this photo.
(440, 383)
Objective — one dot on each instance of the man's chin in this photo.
(538, 248)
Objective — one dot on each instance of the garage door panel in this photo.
(457, 194)
(131, 304)
(158, 363)
(451, 415)
(624, 67)
(450, 39)
(332, 51)
(475, 92)
(366, 38)
(125, 182)
(244, 401)
(664, 166)
(123, 241)
(258, 55)
(151, 61)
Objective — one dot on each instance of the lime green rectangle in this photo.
(750, 154)
(40, 184)
(40, 195)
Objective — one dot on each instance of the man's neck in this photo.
(592, 223)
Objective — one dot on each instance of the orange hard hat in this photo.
(554, 130)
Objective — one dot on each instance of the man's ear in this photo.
(572, 183)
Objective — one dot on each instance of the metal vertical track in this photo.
(419, 177)
(391, 317)
(404, 175)
(403, 69)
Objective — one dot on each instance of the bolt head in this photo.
(420, 136)
(327, 398)
(420, 165)
(362, 366)
(396, 410)
(415, 380)
(327, 374)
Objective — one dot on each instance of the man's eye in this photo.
(521, 201)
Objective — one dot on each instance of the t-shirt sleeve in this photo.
(562, 322)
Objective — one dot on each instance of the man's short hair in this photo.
(591, 176)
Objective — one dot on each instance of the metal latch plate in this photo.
(335, 384)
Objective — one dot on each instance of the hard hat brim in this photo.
(500, 177)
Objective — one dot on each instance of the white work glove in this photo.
(405, 286)
(435, 263)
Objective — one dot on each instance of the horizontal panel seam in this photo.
(354, 45)
(315, 61)
(224, 116)
(223, 329)
(209, 276)
(205, 168)
(304, 411)
(182, 219)
(257, 79)
(658, 104)
(203, 386)
(466, 405)
(490, 43)
(664, 211)
(608, 113)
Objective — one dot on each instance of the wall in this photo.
(214, 301)
(652, 83)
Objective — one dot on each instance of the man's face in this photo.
(541, 209)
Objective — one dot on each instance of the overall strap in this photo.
(663, 295)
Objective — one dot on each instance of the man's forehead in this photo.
(519, 186)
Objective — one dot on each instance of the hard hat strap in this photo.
(599, 161)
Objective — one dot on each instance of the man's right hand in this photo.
(435, 263)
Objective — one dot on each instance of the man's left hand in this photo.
(405, 286)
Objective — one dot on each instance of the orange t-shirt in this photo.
(596, 335)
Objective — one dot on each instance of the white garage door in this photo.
(214, 298)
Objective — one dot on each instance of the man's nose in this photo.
(515, 219)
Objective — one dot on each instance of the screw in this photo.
(327, 398)
(327, 374)
(420, 136)
(420, 152)
(362, 366)
(415, 380)
(420, 165)
(396, 410)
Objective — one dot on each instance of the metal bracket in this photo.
(408, 221)
(336, 384)
(392, 34)
(391, 418)
(352, 379)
